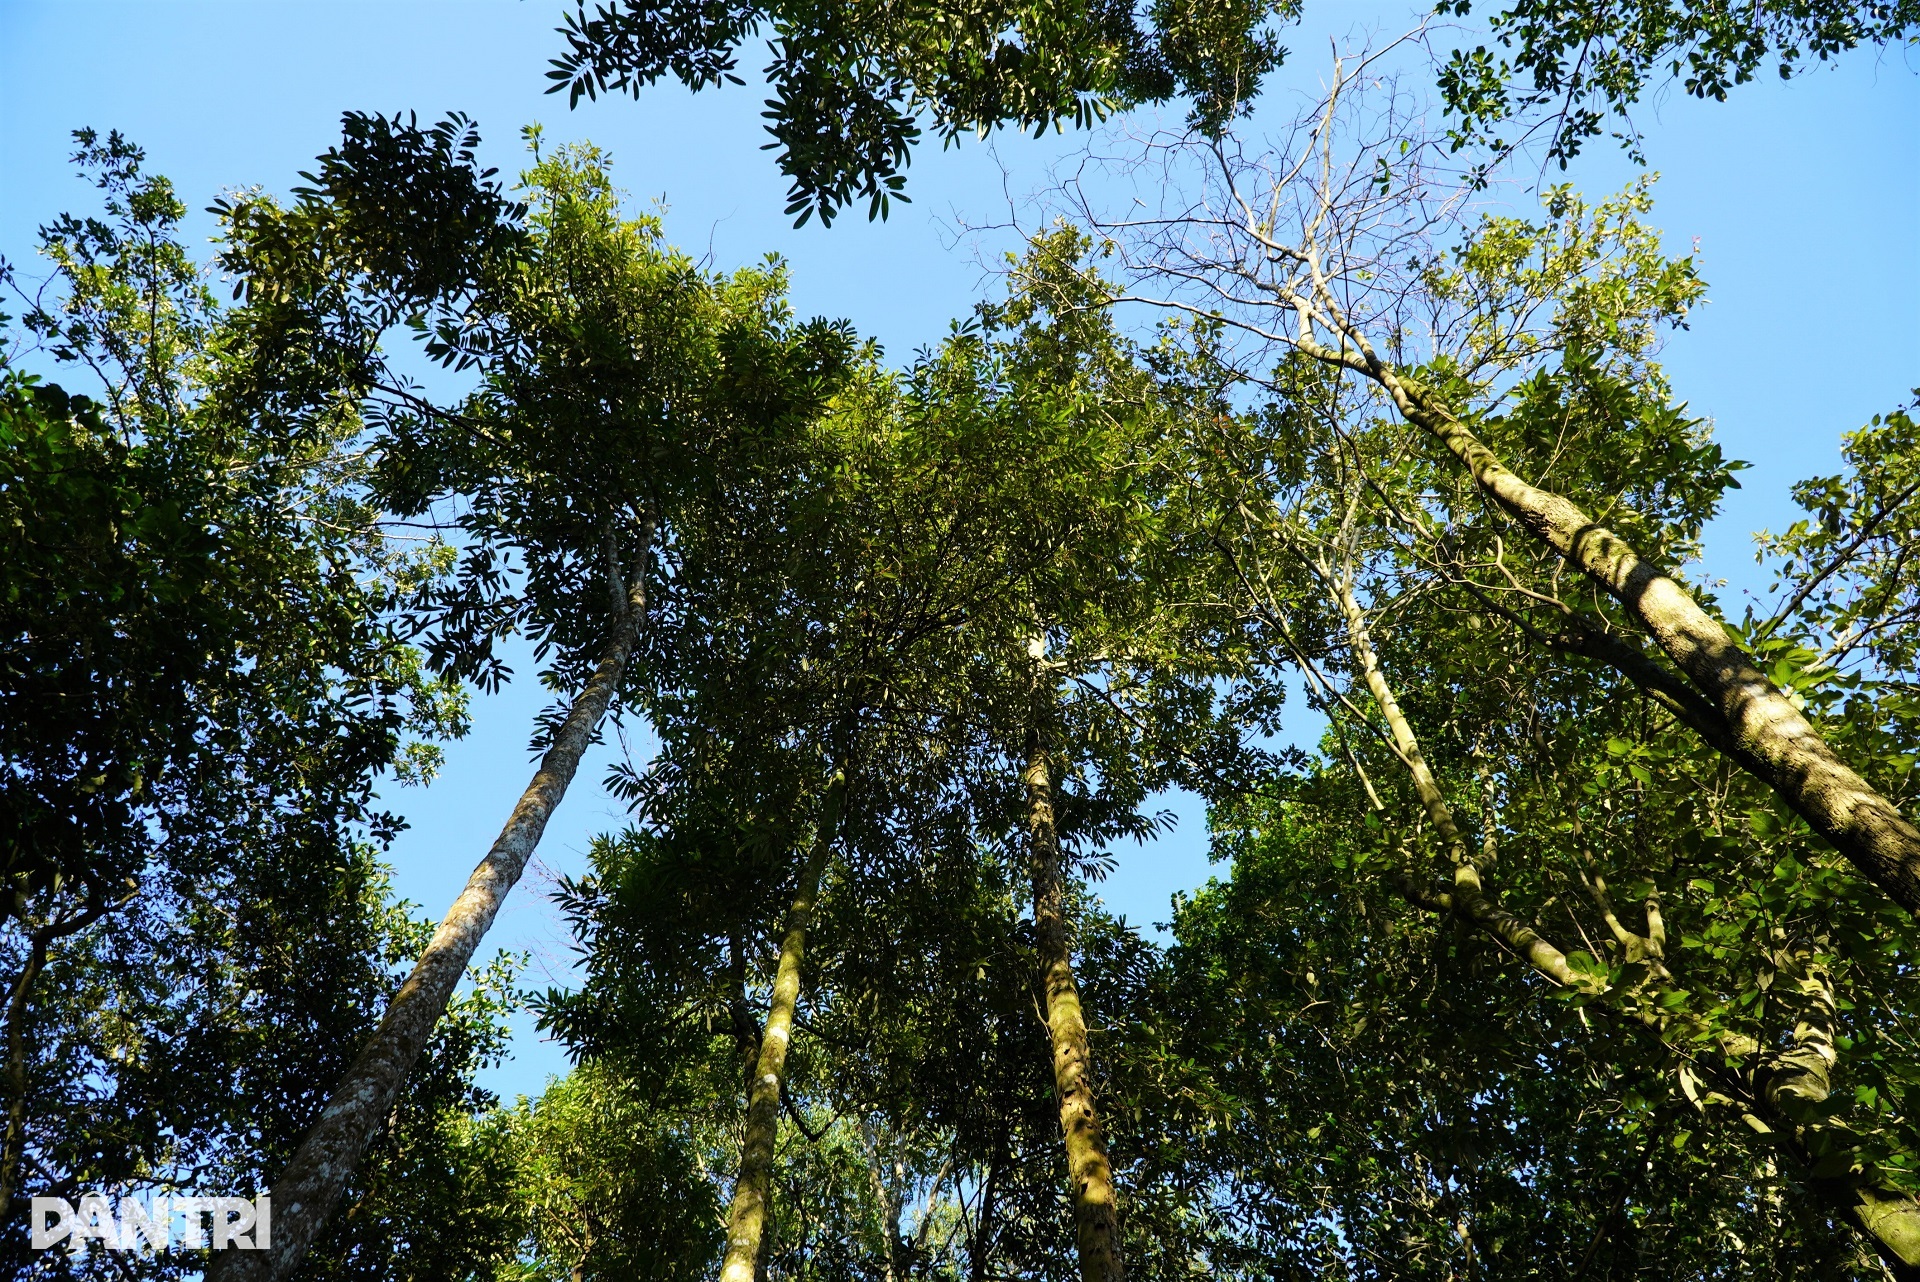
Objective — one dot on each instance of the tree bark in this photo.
(1892, 1220)
(748, 1217)
(10, 1149)
(980, 1241)
(1790, 1082)
(1797, 1081)
(312, 1183)
(886, 1199)
(1095, 1215)
(1469, 898)
(1778, 745)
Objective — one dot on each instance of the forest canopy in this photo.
(1570, 940)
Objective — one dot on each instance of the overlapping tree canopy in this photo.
(1571, 937)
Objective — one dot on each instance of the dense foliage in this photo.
(201, 688)
(851, 82)
(1572, 937)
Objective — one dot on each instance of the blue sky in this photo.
(1804, 199)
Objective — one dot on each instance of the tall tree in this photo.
(1365, 503)
(616, 381)
(1009, 470)
(1079, 427)
(1337, 251)
(203, 684)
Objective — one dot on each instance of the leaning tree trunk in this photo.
(1774, 741)
(752, 1206)
(1788, 1084)
(1095, 1216)
(313, 1181)
(1470, 898)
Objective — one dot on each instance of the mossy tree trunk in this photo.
(1095, 1215)
(1787, 1087)
(750, 1214)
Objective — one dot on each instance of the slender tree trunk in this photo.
(1469, 898)
(748, 1217)
(886, 1200)
(314, 1179)
(1095, 1215)
(980, 1241)
(1773, 740)
(924, 1228)
(579, 1273)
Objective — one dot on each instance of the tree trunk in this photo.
(15, 1142)
(313, 1181)
(1892, 1220)
(980, 1241)
(1792, 1080)
(1776, 743)
(886, 1198)
(1797, 1081)
(1095, 1218)
(1469, 898)
(748, 1217)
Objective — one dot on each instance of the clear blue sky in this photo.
(1803, 198)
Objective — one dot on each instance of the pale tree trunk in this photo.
(1765, 733)
(1892, 1219)
(1095, 1215)
(1800, 1079)
(1771, 738)
(1786, 1084)
(1469, 897)
(314, 1179)
(884, 1176)
(751, 1210)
